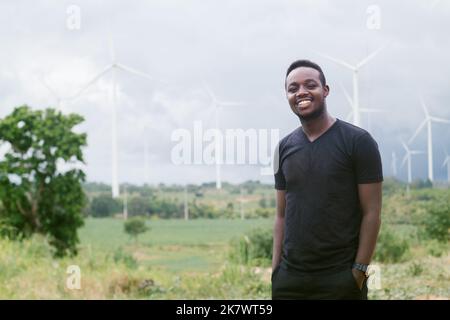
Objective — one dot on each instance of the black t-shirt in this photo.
(323, 214)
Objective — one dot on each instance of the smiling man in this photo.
(328, 198)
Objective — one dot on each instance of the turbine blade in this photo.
(418, 130)
(370, 56)
(50, 89)
(134, 71)
(209, 92)
(439, 120)
(347, 96)
(404, 159)
(342, 63)
(424, 106)
(405, 146)
(367, 110)
(91, 82)
(446, 160)
(348, 116)
(231, 103)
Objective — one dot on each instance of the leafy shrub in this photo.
(121, 256)
(436, 248)
(436, 222)
(390, 247)
(415, 269)
(135, 226)
(104, 205)
(254, 248)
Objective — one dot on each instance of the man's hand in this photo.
(359, 277)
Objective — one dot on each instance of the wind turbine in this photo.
(113, 67)
(407, 159)
(216, 104)
(365, 110)
(355, 69)
(447, 162)
(427, 121)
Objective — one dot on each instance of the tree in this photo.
(263, 203)
(40, 185)
(104, 206)
(135, 226)
(138, 206)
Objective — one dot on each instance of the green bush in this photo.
(436, 248)
(436, 223)
(121, 256)
(390, 247)
(254, 248)
(135, 226)
(104, 205)
(415, 269)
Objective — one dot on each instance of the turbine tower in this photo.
(447, 162)
(407, 159)
(427, 121)
(217, 104)
(364, 110)
(125, 204)
(355, 69)
(113, 67)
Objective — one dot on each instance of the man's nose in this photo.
(302, 91)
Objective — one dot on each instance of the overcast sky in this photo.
(241, 50)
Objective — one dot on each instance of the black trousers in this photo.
(341, 285)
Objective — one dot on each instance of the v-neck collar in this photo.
(323, 134)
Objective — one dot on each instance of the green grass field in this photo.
(180, 259)
(173, 245)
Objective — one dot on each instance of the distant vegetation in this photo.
(167, 201)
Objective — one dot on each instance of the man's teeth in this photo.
(304, 103)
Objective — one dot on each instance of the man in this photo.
(328, 198)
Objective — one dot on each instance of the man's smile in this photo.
(304, 102)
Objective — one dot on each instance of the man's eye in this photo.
(292, 89)
(311, 86)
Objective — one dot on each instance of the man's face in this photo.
(305, 93)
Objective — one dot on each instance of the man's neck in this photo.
(314, 128)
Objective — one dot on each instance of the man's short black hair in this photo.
(308, 64)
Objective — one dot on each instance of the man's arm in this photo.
(278, 229)
(370, 201)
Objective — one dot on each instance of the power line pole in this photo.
(241, 204)
(186, 207)
(125, 204)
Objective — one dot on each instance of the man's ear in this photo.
(326, 88)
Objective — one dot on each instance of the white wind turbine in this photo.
(407, 159)
(447, 162)
(355, 69)
(427, 121)
(363, 110)
(113, 67)
(216, 104)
